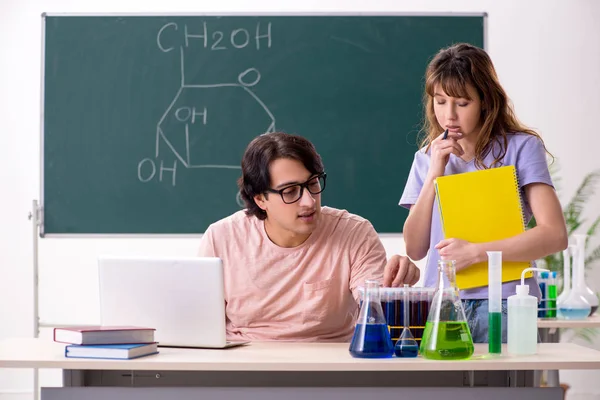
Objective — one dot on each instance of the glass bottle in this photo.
(371, 337)
(574, 305)
(447, 335)
(579, 284)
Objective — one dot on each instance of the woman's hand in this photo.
(440, 153)
(462, 252)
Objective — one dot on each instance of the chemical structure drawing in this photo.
(191, 132)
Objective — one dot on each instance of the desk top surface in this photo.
(590, 322)
(282, 356)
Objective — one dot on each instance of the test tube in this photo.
(542, 307)
(384, 296)
(495, 302)
(551, 288)
(428, 297)
(389, 310)
(425, 301)
(396, 305)
(414, 311)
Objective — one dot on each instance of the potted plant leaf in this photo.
(573, 213)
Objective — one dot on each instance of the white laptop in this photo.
(182, 298)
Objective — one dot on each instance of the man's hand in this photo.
(400, 270)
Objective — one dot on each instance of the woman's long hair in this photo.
(454, 68)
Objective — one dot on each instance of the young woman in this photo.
(463, 96)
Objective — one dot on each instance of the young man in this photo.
(292, 267)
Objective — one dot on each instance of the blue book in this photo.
(111, 351)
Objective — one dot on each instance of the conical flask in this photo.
(406, 346)
(371, 335)
(573, 306)
(579, 284)
(447, 335)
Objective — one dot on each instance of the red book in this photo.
(103, 334)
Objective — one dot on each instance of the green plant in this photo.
(574, 221)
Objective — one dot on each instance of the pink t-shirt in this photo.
(304, 293)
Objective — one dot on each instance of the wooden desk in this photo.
(590, 322)
(549, 333)
(282, 356)
(326, 366)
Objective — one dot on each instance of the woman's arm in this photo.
(417, 227)
(548, 237)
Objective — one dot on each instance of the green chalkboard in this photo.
(145, 118)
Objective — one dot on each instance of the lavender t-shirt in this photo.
(525, 152)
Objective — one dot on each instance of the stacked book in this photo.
(115, 342)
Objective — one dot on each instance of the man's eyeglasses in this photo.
(293, 193)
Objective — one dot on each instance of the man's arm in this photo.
(371, 264)
(368, 262)
(207, 245)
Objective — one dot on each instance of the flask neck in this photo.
(372, 291)
(579, 261)
(446, 275)
(371, 311)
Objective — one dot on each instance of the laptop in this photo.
(182, 298)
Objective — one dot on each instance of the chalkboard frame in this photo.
(41, 219)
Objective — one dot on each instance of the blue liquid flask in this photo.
(371, 336)
(572, 304)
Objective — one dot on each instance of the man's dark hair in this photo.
(259, 154)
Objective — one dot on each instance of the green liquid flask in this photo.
(447, 335)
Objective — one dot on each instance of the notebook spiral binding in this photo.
(520, 198)
(521, 206)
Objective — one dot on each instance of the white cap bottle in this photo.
(522, 330)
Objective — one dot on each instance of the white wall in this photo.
(547, 54)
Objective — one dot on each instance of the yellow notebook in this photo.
(482, 206)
